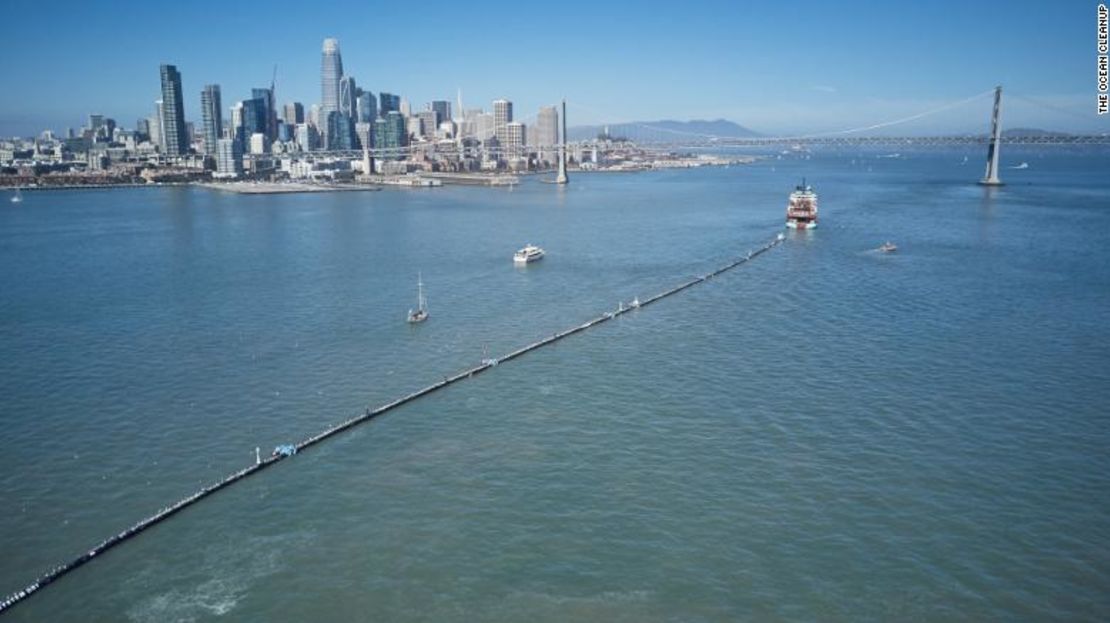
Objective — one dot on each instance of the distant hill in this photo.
(665, 130)
(1031, 132)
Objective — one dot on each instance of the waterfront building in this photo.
(294, 113)
(173, 113)
(229, 158)
(211, 111)
(388, 102)
(367, 107)
(502, 116)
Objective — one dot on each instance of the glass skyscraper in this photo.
(388, 102)
(331, 71)
(173, 113)
(212, 116)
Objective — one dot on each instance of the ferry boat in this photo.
(530, 253)
(801, 210)
(420, 314)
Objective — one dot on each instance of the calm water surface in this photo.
(826, 433)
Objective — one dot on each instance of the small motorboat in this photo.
(888, 247)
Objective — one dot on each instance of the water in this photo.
(825, 433)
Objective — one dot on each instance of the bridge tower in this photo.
(991, 176)
(562, 177)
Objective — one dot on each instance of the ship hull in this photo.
(801, 224)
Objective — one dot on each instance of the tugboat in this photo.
(420, 314)
(801, 210)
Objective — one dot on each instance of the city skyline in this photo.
(854, 64)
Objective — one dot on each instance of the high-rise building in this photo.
(253, 120)
(514, 140)
(388, 102)
(259, 143)
(484, 126)
(211, 111)
(406, 108)
(367, 107)
(429, 121)
(443, 109)
(364, 132)
(340, 133)
(389, 132)
(173, 112)
(229, 158)
(348, 97)
(270, 114)
(157, 128)
(294, 113)
(306, 137)
(502, 116)
(545, 134)
(331, 71)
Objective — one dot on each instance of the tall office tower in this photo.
(306, 137)
(173, 112)
(237, 122)
(545, 134)
(388, 102)
(389, 132)
(429, 121)
(142, 127)
(443, 109)
(314, 116)
(502, 116)
(95, 122)
(484, 126)
(294, 113)
(341, 132)
(514, 139)
(157, 126)
(229, 158)
(364, 132)
(348, 97)
(331, 71)
(270, 116)
(367, 107)
(211, 112)
(253, 120)
(405, 107)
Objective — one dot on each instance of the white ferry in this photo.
(801, 210)
(530, 253)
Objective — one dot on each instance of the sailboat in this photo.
(420, 314)
(17, 197)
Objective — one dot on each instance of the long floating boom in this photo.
(369, 414)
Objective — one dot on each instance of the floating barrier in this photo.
(289, 450)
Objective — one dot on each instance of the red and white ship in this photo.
(801, 210)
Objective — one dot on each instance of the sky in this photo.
(779, 68)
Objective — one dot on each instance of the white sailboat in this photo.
(420, 314)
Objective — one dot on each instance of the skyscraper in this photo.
(429, 122)
(294, 113)
(443, 110)
(348, 97)
(367, 107)
(173, 112)
(388, 102)
(270, 114)
(514, 140)
(157, 126)
(545, 134)
(229, 158)
(211, 111)
(502, 116)
(331, 71)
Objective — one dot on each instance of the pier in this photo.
(370, 413)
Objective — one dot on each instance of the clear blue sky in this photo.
(777, 67)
